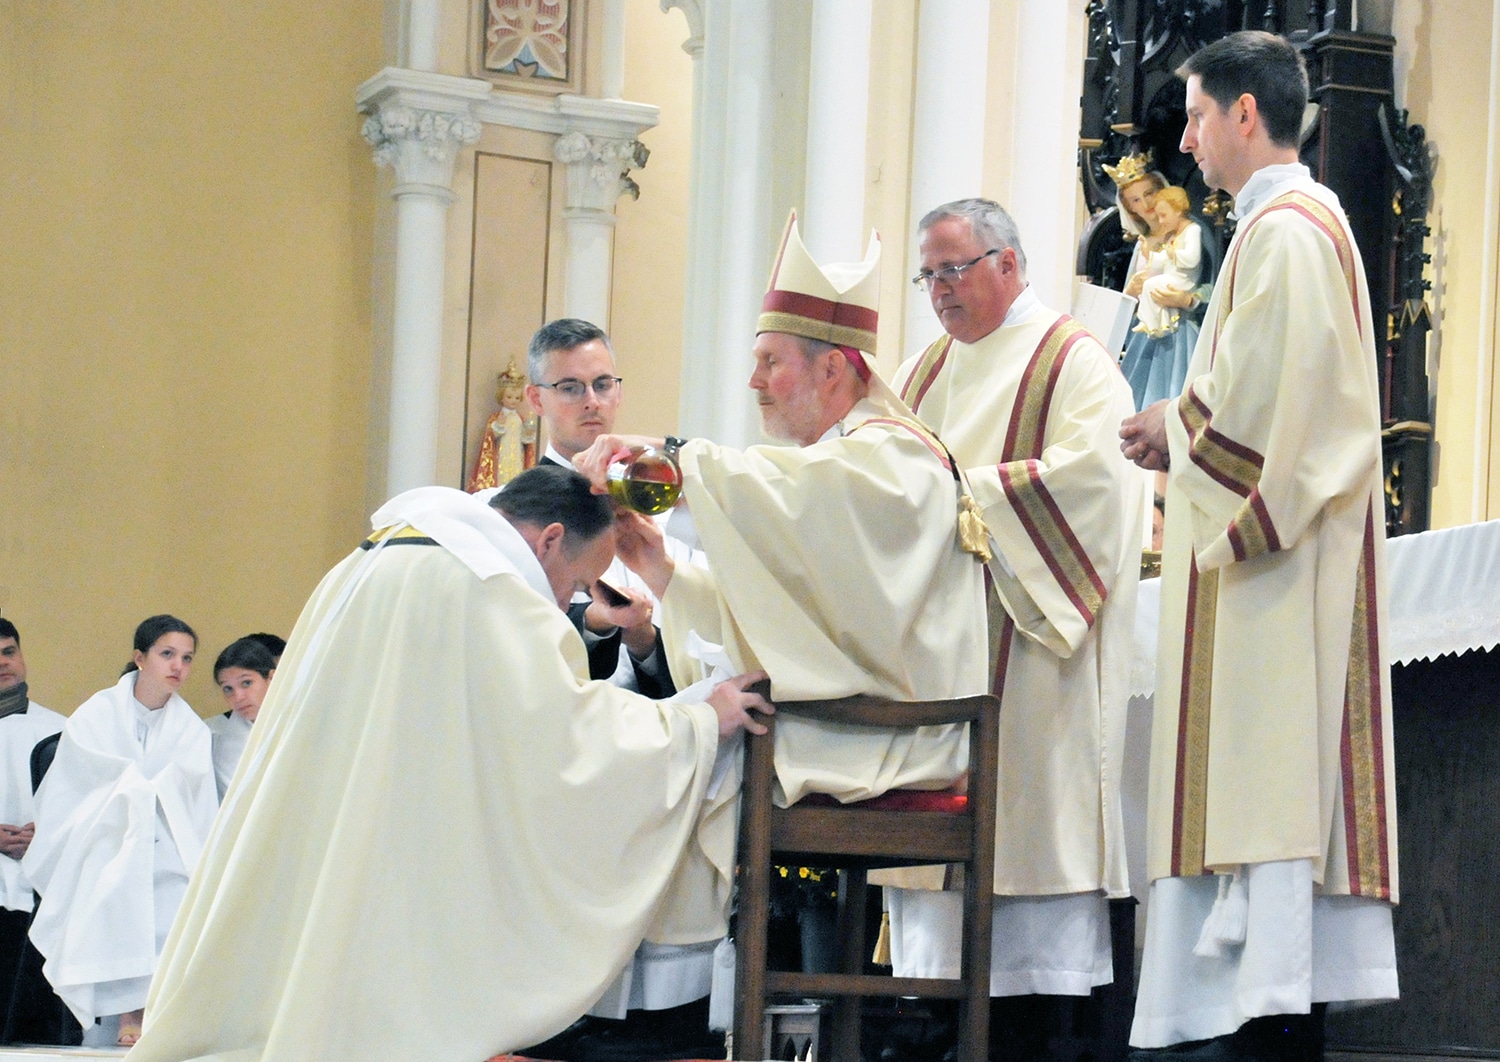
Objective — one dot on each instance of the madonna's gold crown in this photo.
(1131, 169)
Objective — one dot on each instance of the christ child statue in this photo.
(1172, 263)
(508, 447)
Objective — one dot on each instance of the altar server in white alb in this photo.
(243, 674)
(845, 564)
(122, 816)
(443, 840)
(1030, 403)
(23, 723)
(1272, 832)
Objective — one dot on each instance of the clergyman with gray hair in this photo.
(1028, 401)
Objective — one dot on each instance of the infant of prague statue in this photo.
(509, 444)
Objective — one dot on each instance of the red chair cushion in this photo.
(899, 800)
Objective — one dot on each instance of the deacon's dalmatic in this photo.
(1275, 537)
(1031, 412)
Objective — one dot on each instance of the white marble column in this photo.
(598, 168)
(613, 87)
(1050, 47)
(947, 128)
(420, 31)
(833, 223)
(730, 231)
(416, 123)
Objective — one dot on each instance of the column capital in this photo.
(599, 168)
(693, 11)
(417, 122)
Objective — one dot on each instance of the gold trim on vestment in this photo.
(1029, 497)
(1035, 508)
(1362, 758)
(1232, 466)
(797, 325)
(1028, 425)
(925, 372)
(1195, 700)
(402, 532)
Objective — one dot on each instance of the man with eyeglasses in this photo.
(1029, 403)
(575, 391)
(659, 1004)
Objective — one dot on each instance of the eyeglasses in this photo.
(949, 275)
(574, 390)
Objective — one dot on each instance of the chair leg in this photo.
(974, 1010)
(751, 928)
(846, 1009)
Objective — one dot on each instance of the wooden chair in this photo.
(898, 829)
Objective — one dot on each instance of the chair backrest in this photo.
(981, 712)
(855, 838)
(41, 758)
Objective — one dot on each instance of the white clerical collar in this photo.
(553, 455)
(1266, 184)
(1026, 304)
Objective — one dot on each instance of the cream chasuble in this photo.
(1032, 411)
(442, 842)
(1272, 728)
(837, 569)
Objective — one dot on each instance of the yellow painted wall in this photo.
(184, 320)
(1443, 80)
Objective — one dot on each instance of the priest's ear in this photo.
(546, 541)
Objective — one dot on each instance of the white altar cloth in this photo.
(1444, 598)
(1444, 594)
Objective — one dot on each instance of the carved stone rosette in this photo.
(599, 168)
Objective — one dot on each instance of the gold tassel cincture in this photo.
(973, 536)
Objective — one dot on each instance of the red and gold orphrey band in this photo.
(1021, 479)
(840, 323)
(1362, 740)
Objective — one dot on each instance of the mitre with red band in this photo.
(837, 304)
(834, 303)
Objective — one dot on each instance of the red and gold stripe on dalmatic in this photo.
(1194, 698)
(1027, 433)
(1326, 221)
(1251, 532)
(1362, 747)
(1232, 465)
(1054, 540)
(927, 370)
(1002, 634)
(1331, 226)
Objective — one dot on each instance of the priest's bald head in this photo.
(815, 341)
(973, 267)
(567, 526)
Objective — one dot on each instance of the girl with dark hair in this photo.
(243, 673)
(125, 809)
